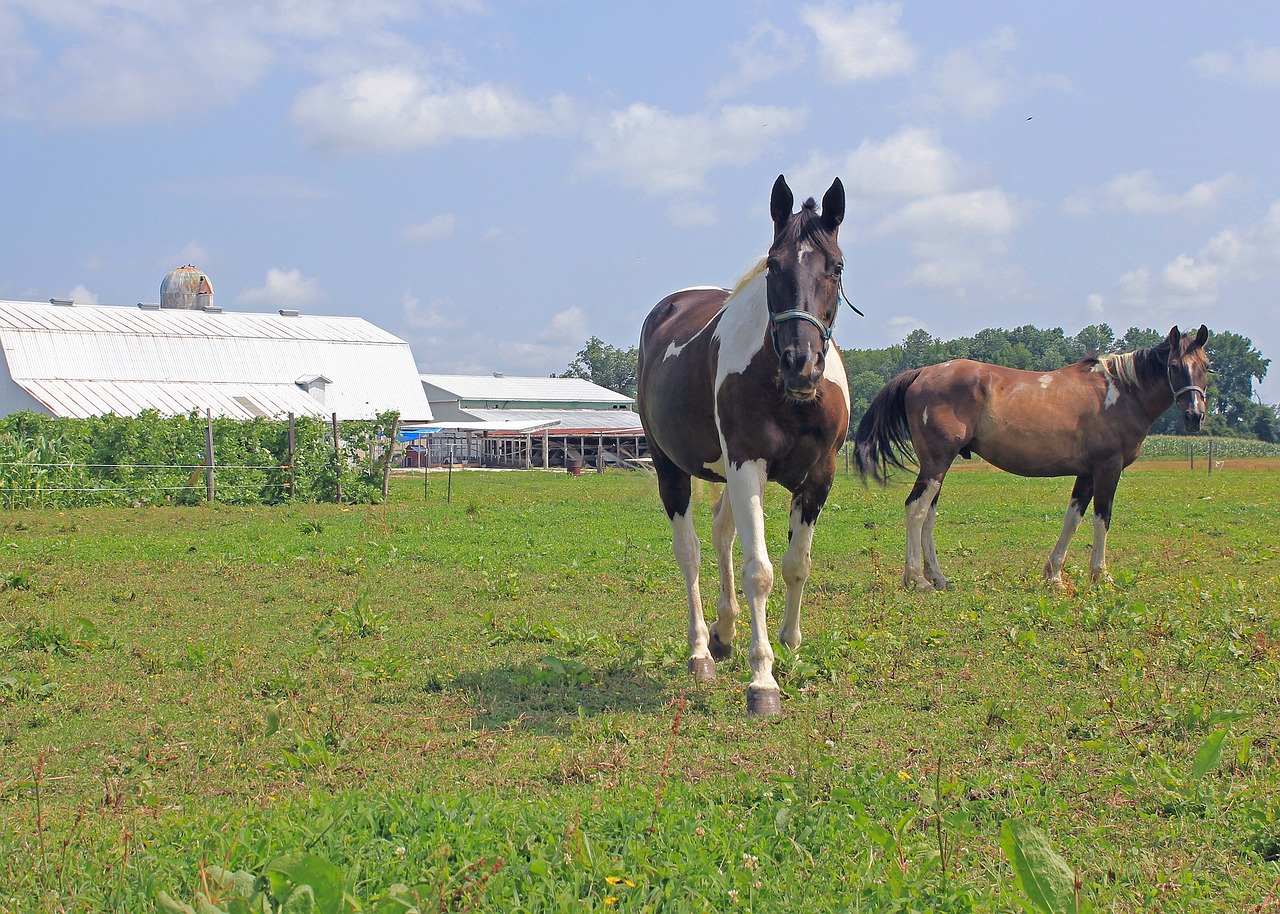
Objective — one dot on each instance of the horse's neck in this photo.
(1150, 381)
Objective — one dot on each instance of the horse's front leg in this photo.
(745, 490)
(1081, 495)
(1104, 497)
(727, 612)
(797, 562)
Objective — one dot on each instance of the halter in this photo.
(1179, 391)
(795, 314)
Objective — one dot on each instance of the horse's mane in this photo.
(1134, 369)
(748, 276)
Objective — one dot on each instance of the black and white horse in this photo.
(744, 387)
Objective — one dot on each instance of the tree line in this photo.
(1233, 410)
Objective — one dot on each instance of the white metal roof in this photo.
(497, 389)
(91, 360)
(557, 421)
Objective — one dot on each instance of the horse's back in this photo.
(676, 377)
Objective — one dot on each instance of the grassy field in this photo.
(482, 705)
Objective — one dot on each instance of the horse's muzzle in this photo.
(1192, 418)
(801, 373)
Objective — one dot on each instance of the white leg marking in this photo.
(797, 562)
(745, 489)
(1058, 557)
(688, 552)
(1098, 560)
(722, 536)
(917, 514)
(933, 571)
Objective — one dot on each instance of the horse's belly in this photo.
(1038, 456)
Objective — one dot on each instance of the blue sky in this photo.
(496, 182)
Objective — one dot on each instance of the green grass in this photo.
(485, 702)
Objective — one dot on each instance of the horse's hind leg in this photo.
(1081, 495)
(932, 570)
(677, 498)
(722, 536)
(920, 504)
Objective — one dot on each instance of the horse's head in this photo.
(803, 284)
(1187, 369)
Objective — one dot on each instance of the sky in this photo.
(495, 182)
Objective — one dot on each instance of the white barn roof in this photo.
(90, 360)
(497, 391)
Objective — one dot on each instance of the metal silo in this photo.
(187, 289)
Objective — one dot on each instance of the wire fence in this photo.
(154, 460)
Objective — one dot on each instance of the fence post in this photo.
(386, 460)
(293, 446)
(208, 456)
(337, 462)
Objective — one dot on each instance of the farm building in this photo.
(523, 422)
(184, 353)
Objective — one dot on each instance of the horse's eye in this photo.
(839, 269)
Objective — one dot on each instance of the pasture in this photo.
(484, 704)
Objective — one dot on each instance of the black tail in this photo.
(884, 437)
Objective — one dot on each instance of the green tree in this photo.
(1098, 339)
(1236, 365)
(606, 365)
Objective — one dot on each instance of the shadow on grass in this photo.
(547, 695)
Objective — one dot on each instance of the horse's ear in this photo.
(1174, 339)
(1202, 336)
(833, 206)
(781, 202)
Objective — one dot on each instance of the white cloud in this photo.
(860, 44)
(440, 314)
(394, 109)
(988, 213)
(1232, 257)
(910, 163)
(1249, 64)
(1139, 192)
(283, 289)
(549, 349)
(769, 52)
(973, 82)
(692, 215)
(568, 326)
(433, 229)
(663, 153)
(193, 253)
(81, 295)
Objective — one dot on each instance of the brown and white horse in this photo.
(1086, 420)
(744, 387)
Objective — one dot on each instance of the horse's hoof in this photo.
(763, 702)
(720, 650)
(702, 668)
(941, 583)
(921, 586)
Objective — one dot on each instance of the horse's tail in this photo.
(884, 436)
